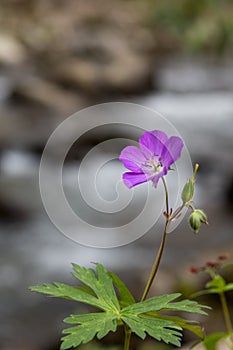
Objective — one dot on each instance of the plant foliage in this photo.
(106, 292)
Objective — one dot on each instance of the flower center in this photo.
(152, 166)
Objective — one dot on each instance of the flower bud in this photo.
(196, 218)
(194, 269)
(211, 263)
(202, 216)
(224, 256)
(188, 191)
(195, 221)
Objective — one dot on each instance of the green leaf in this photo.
(217, 282)
(191, 326)
(101, 285)
(61, 290)
(153, 304)
(219, 285)
(164, 303)
(162, 328)
(188, 306)
(216, 286)
(228, 287)
(97, 289)
(126, 297)
(159, 329)
(88, 326)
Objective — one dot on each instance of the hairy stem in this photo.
(127, 338)
(156, 264)
(226, 312)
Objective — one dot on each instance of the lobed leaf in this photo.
(188, 306)
(161, 330)
(102, 285)
(88, 326)
(163, 302)
(153, 304)
(142, 318)
(61, 290)
(126, 297)
(98, 290)
(191, 326)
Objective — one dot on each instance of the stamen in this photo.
(153, 166)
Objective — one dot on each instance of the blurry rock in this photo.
(101, 48)
(121, 76)
(11, 51)
(107, 64)
(129, 76)
(41, 91)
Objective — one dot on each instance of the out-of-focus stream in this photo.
(198, 100)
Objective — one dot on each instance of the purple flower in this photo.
(152, 160)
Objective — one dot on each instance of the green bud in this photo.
(188, 191)
(195, 221)
(202, 216)
(196, 218)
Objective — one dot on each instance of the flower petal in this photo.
(132, 179)
(151, 145)
(160, 135)
(171, 151)
(132, 158)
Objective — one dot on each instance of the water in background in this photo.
(197, 97)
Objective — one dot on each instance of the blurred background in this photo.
(59, 56)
